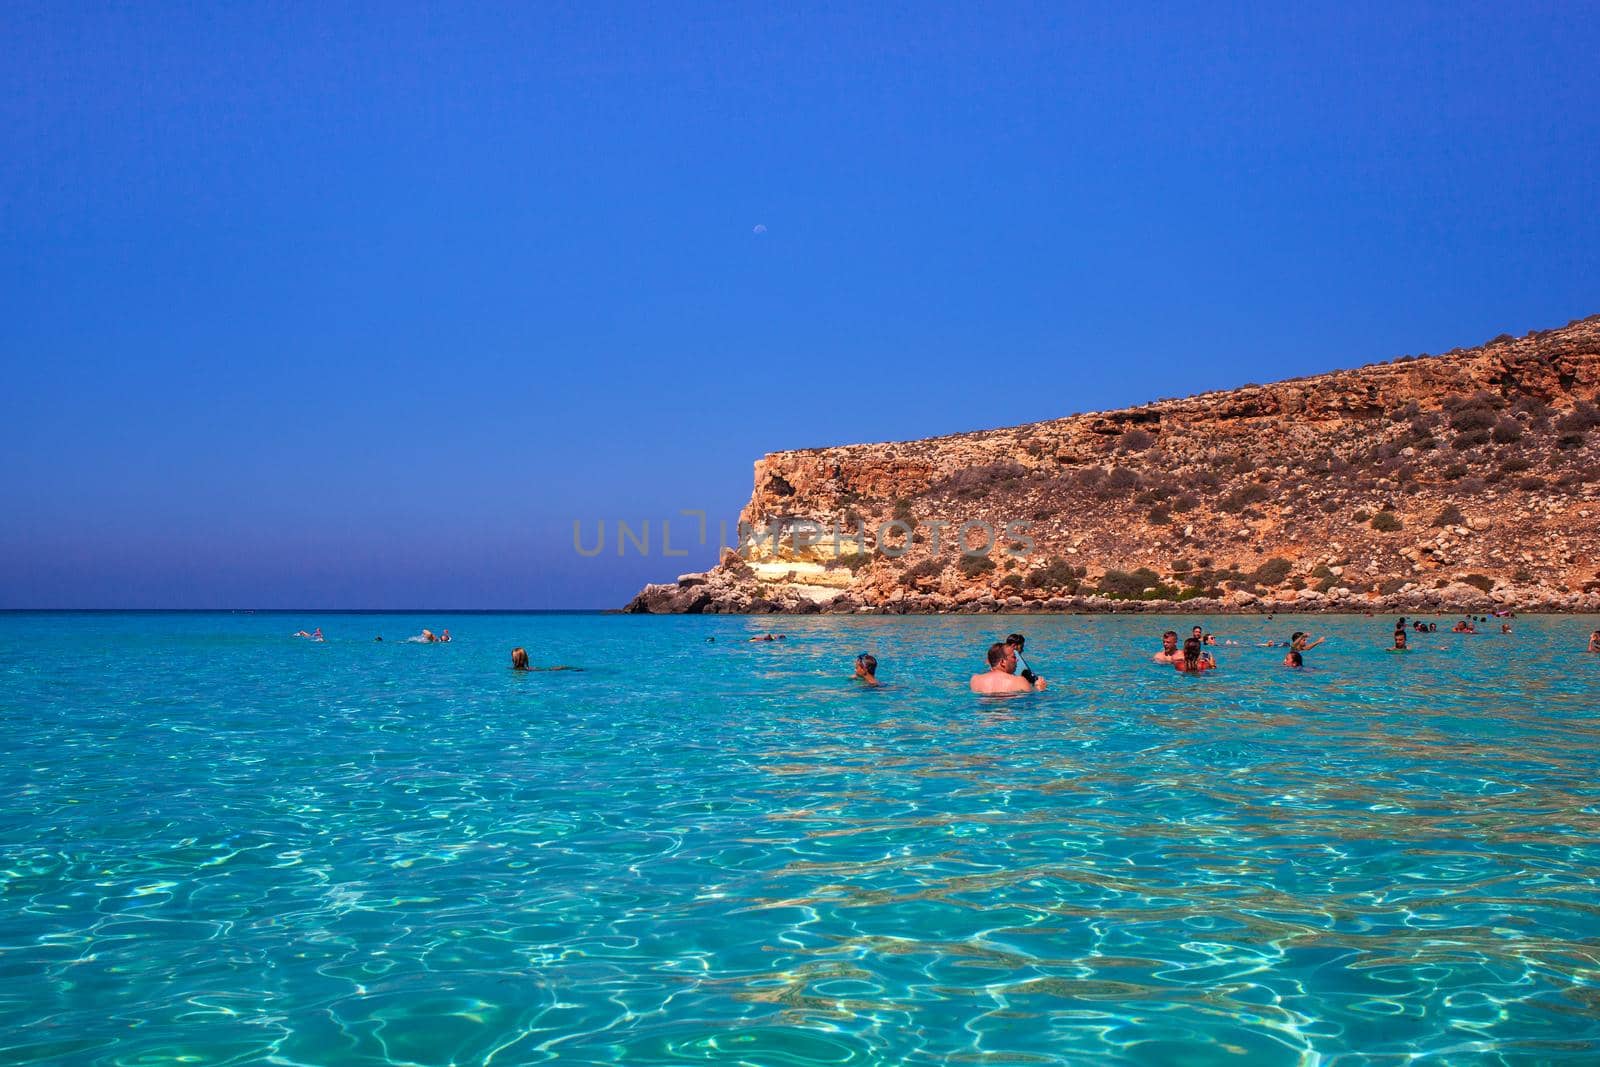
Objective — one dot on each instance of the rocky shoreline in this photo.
(713, 593)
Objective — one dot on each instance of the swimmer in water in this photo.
(1017, 642)
(1594, 641)
(1294, 660)
(1193, 660)
(444, 635)
(1001, 678)
(1400, 642)
(1301, 642)
(1169, 648)
(867, 668)
(768, 637)
(314, 635)
(519, 662)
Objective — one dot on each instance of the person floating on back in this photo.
(1001, 677)
(867, 668)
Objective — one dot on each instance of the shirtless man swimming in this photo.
(1594, 641)
(1001, 676)
(1169, 648)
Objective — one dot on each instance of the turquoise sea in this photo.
(221, 844)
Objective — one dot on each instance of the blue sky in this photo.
(361, 306)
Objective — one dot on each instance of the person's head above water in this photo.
(867, 667)
(1296, 660)
(1002, 657)
(1399, 639)
(1016, 641)
(1198, 631)
(1191, 651)
(1169, 641)
(519, 658)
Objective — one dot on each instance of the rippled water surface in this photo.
(219, 844)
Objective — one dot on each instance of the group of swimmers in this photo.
(1005, 657)
(426, 637)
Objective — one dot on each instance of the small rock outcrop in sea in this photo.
(1468, 481)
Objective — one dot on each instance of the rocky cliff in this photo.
(1462, 481)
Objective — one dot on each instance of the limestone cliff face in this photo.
(1467, 480)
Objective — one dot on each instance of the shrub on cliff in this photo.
(1056, 574)
(1515, 464)
(1506, 431)
(854, 560)
(931, 567)
(1583, 417)
(1272, 572)
(1121, 480)
(1531, 406)
(1243, 497)
(974, 566)
(1125, 585)
(1386, 522)
(1136, 441)
(1471, 439)
(1473, 418)
(1479, 581)
(1449, 516)
(973, 481)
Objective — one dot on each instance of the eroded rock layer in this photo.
(1466, 481)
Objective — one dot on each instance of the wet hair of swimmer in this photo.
(869, 662)
(1297, 659)
(519, 659)
(1191, 650)
(1017, 641)
(997, 653)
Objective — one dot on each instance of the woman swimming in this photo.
(519, 662)
(1193, 661)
